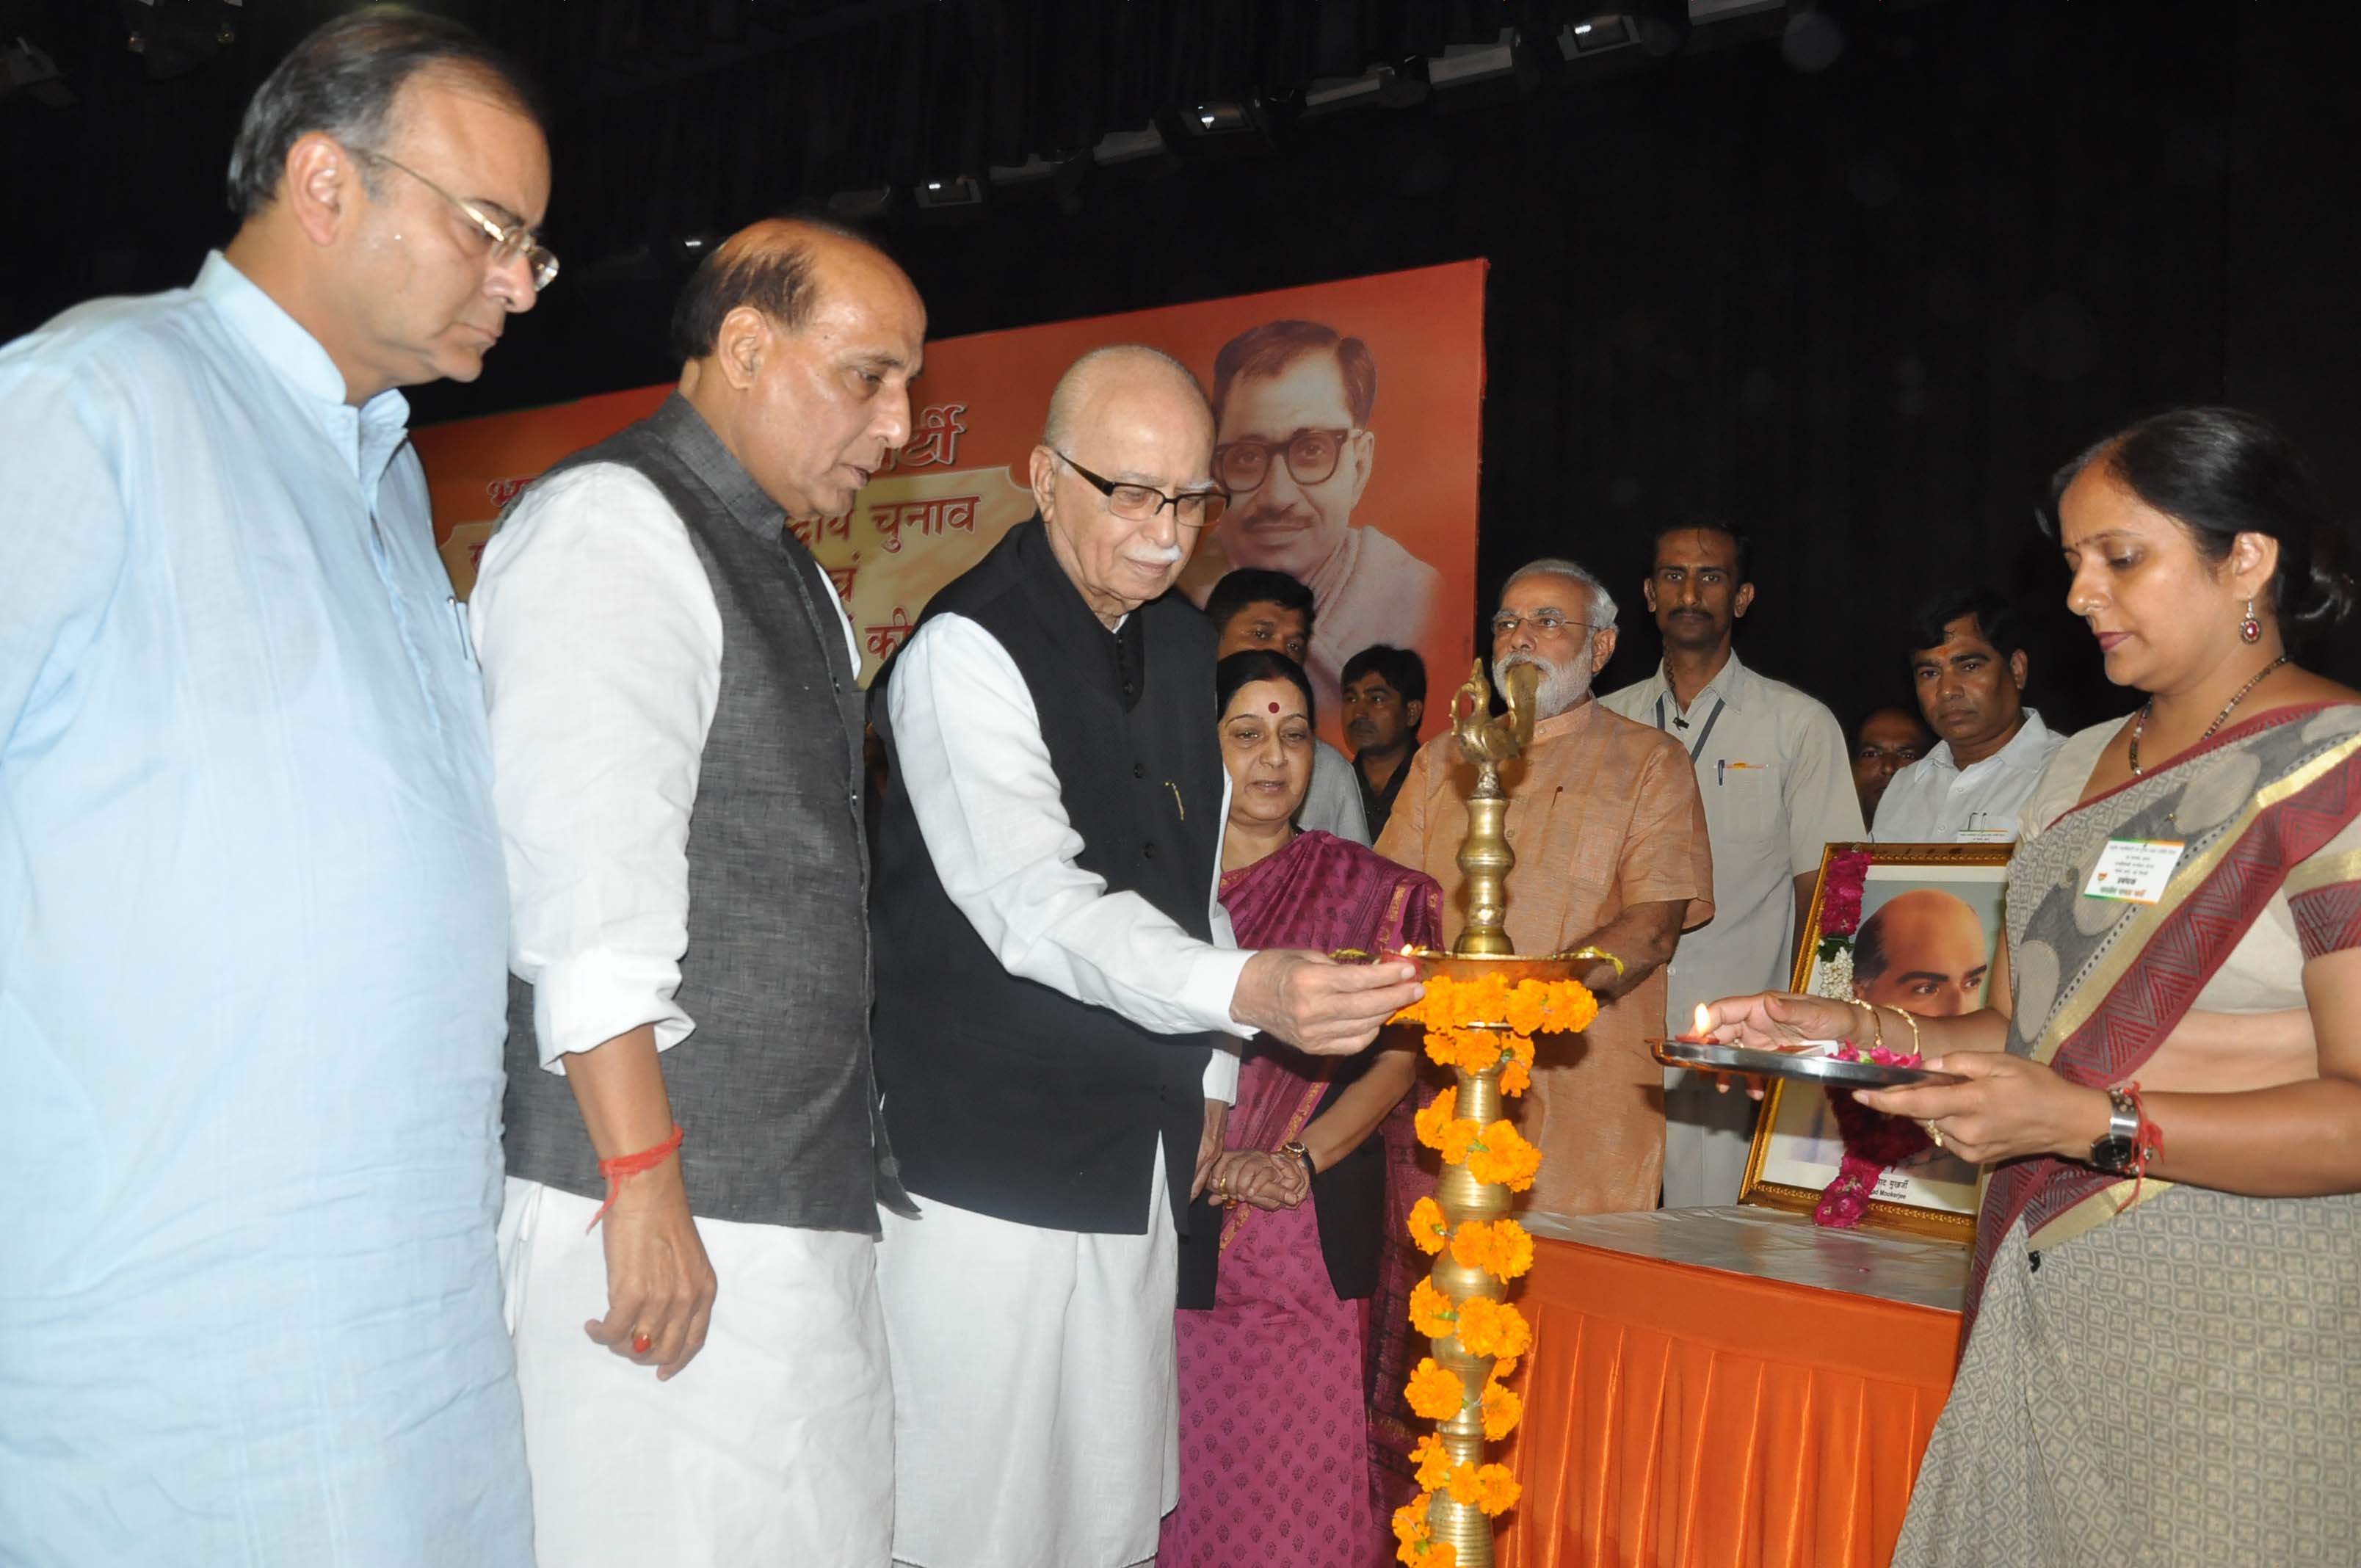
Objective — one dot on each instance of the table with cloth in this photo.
(1725, 1386)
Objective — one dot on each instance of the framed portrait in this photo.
(1908, 925)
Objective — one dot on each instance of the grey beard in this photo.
(1562, 686)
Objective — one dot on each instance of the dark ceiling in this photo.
(678, 118)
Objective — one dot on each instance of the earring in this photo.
(2250, 629)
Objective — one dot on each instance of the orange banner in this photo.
(1386, 539)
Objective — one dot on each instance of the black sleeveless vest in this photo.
(1003, 1095)
(774, 1088)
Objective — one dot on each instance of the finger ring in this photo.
(1935, 1134)
(641, 1341)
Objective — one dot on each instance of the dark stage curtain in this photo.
(1863, 310)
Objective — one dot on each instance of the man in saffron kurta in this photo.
(1610, 844)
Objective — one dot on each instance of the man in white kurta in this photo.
(677, 737)
(1029, 1305)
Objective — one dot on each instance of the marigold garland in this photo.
(1427, 1226)
(1431, 1312)
(1501, 1248)
(1433, 1461)
(1493, 1328)
(1503, 1156)
(1503, 1409)
(1419, 1548)
(1479, 1026)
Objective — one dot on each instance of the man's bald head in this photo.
(1136, 420)
(778, 267)
(799, 339)
(1923, 952)
(1119, 369)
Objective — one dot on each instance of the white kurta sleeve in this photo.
(601, 648)
(969, 750)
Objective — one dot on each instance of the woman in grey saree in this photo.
(2162, 1361)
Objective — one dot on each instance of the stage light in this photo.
(1471, 65)
(953, 191)
(28, 67)
(1599, 34)
(1128, 147)
(1383, 86)
(1218, 119)
(1034, 169)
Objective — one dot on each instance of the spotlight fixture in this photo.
(950, 191)
(26, 67)
(861, 203)
(1217, 119)
(1034, 169)
(1399, 86)
(1580, 41)
(1464, 76)
(1128, 147)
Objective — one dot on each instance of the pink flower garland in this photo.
(1873, 1141)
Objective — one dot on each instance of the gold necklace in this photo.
(2140, 724)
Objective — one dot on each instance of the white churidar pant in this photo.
(774, 1446)
(1036, 1399)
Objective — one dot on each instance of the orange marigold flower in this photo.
(1515, 1078)
(1431, 1310)
(1493, 1328)
(1504, 1368)
(1471, 1245)
(1428, 1229)
(1456, 1140)
(1432, 1392)
(1506, 1158)
(1502, 1411)
(1433, 1461)
(1462, 1486)
(1512, 1250)
(1437, 1116)
(1410, 1519)
(1496, 1490)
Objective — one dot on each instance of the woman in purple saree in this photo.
(1294, 1331)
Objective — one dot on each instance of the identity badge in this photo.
(2135, 871)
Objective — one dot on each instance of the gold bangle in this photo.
(1590, 952)
(1917, 1043)
(1876, 1024)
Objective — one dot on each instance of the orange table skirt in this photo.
(1684, 1416)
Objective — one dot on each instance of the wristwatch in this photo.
(1295, 1147)
(2113, 1153)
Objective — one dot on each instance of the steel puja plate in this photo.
(1806, 1064)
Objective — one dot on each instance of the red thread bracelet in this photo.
(622, 1167)
(2146, 1143)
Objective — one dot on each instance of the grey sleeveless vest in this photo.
(774, 1088)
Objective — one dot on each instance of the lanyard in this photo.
(1703, 735)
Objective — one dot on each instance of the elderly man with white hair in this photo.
(1058, 998)
(1610, 842)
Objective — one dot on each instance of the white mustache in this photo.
(1155, 555)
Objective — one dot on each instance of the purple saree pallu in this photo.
(1294, 1440)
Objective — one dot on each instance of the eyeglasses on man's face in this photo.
(1310, 456)
(1138, 503)
(1546, 622)
(506, 243)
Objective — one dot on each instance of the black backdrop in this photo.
(1862, 310)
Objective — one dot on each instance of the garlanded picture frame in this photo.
(1797, 1147)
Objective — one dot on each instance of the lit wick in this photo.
(1701, 1032)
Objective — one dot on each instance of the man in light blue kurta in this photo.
(252, 906)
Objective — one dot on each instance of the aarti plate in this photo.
(1810, 1062)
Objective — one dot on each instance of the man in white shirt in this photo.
(1772, 769)
(1970, 665)
(1888, 740)
(691, 1128)
(1052, 966)
(1251, 609)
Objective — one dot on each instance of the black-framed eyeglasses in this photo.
(1548, 622)
(507, 243)
(1138, 503)
(1310, 456)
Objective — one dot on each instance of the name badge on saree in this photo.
(2135, 871)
